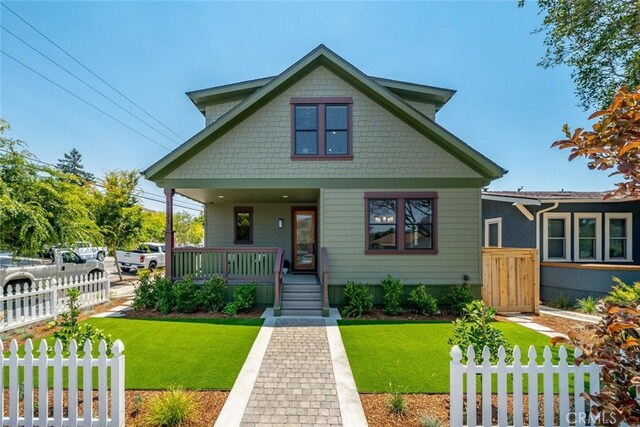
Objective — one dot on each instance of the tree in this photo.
(39, 205)
(599, 40)
(119, 215)
(614, 142)
(188, 229)
(72, 164)
(153, 226)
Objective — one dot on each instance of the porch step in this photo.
(302, 304)
(301, 288)
(301, 312)
(301, 296)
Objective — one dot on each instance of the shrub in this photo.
(144, 293)
(211, 295)
(359, 299)
(244, 297)
(70, 329)
(172, 408)
(457, 299)
(561, 301)
(423, 303)
(624, 294)
(615, 345)
(185, 296)
(230, 309)
(392, 295)
(473, 328)
(587, 305)
(164, 295)
(397, 402)
(430, 421)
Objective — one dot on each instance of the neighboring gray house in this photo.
(583, 239)
(338, 175)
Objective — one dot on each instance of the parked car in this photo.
(20, 272)
(148, 255)
(87, 250)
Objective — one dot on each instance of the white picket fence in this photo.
(570, 411)
(28, 303)
(28, 392)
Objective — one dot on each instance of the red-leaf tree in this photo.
(614, 142)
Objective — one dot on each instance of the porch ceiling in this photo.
(251, 195)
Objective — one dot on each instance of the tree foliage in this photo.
(614, 142)
(598, 39)
(71, 164)
(615, 346)
(188, 229)
(153, 225)
(119, 215)
(39, 205)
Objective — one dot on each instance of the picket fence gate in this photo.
(27, 303)
(28, 394)
(570, 411)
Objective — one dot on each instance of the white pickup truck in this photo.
(87, 250)
(148, 255)
(17, 272)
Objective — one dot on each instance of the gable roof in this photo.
(323, 56)
(437, 96)
(551, 196)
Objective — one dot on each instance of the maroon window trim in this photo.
(400, 198)
(236, 211)
(321, 103)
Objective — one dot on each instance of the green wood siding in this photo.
(342, 225)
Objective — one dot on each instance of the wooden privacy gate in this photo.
(511, 279)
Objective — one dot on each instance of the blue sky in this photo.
(505, 106)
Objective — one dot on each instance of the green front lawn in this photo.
(193, 353)
(414, 355)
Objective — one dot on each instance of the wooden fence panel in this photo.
(464, 394)
(511, 279)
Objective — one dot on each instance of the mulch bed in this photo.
(209, 404)
(153, 314)
(378, 314)
(376, 409)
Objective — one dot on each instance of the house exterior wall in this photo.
(428, 110)
(383, 145)
(342, 231)
(215, 111)
(219, 225)
(517, 231)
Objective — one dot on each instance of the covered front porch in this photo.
(267, 236)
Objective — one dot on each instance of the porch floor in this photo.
(300, 279)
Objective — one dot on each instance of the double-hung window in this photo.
(402, 223)
(557, 245)
(587, 230)
(618, 236)
(321, 128)
(493, 232)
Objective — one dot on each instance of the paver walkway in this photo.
(295, 384)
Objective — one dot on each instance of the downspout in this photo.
(555, 205)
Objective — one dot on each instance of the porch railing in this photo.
(236, 264)
(324, 278)
(277, 293)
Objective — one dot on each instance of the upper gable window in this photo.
(321, 128)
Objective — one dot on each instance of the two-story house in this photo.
(330, 174)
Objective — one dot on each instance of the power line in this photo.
(83, 100)
(101, 185)
(90, 71)
(172, 139)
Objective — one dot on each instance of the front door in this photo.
(304, 239)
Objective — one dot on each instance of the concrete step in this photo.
(301, 288)
(301, 312)
(302, 304)
(301, 296)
